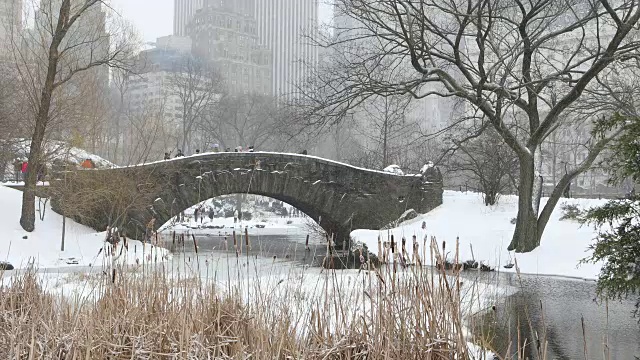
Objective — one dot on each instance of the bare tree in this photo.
(500, 57)
(242, 120)
(11, 108)
(197, 85)
(488, 163)
(386, 125)
(68, 39)
(148, 133)
(120, 81)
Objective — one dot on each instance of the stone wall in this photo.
(338, 196)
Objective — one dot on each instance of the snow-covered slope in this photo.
(82, 244)
(62, 151)
(489, 231)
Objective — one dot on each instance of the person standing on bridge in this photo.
(167, 156)
(23, 169)
(87, 164)
(179, 153)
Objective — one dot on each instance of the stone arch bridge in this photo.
(339, 197)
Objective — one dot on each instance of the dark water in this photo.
(563, 314)
(555, 306)
(280, 247)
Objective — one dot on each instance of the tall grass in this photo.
(162, 313)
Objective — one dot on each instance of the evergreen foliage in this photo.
(618, 241)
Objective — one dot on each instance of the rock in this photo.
(351, 260)
(470, 265)
(485, 268)
(6, 266)
(25, 237)
(448, 265)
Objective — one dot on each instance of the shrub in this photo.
(570, 212)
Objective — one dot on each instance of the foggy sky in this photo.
(154, 18)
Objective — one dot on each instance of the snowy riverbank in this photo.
(272, 225)
(489, 229)
(83, 245)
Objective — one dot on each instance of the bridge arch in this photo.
(339, 197)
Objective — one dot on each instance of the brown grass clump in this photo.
(411, 313)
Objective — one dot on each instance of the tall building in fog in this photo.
(10, 19)
(183, 12)
(281, 26)
(150, 89)
(224, 33)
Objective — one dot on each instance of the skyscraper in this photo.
(183, 12)
(225, 34)
(282, 27)
(10, 20)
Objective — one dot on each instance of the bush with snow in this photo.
(570, 212)
(394, 169)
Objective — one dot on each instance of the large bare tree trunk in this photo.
(525, 237)
(28, 216)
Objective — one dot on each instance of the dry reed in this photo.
(389, 313)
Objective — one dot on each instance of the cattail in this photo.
(393, 245)
(235, 243)
(195, 244)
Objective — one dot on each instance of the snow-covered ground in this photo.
(264, 218)
(488, 231)
(62, 151)
(271, 225)
(42, 247)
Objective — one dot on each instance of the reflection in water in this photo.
(550, 312)
(548, 308)
(279, 247)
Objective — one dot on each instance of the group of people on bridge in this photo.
(21, 168)
(217, 149)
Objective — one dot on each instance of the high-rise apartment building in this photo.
(10, 21)
(183, 12)
(282, 26)
(224, 33)
(150, 91)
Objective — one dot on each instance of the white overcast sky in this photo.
(154, 18)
